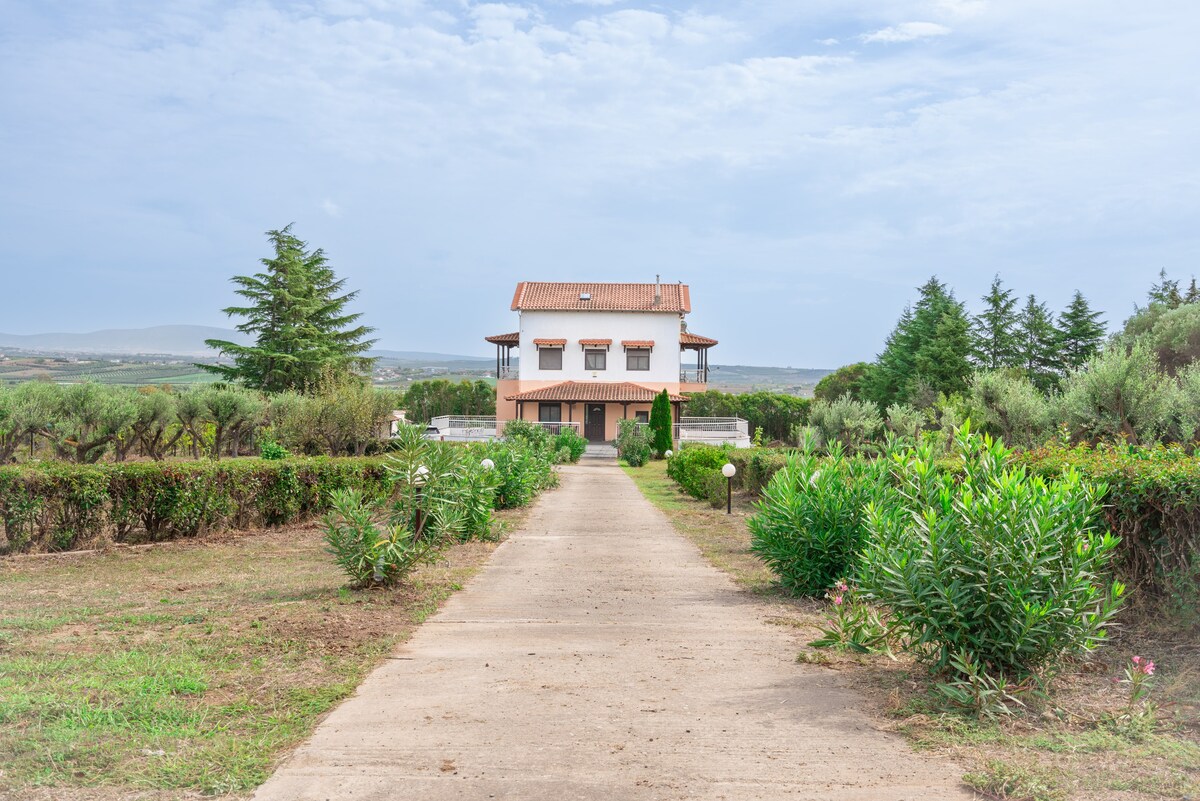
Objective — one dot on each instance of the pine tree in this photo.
(661, 423)
(298, 319)
(1193, 292)
(1038, 344)
(1080, 333)
(1166, 292)
(994, 329)
(928, 350)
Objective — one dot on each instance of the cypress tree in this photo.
(297, 316)
(1038, 344)
(1080, 333)
(995, 345)
(661, 423)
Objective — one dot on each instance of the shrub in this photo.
(368, 552)
(1012, 408)
(694, 465)
(995, 567)
(273, 451)
(661, 424)
(633, 443)
(574, 444)
(811, 522)
(851, 422)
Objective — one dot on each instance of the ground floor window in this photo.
(642, 417)
(550, 412)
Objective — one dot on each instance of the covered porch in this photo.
(594, 406)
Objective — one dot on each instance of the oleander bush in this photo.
(633, 443)
(811, 523)
(990, 569)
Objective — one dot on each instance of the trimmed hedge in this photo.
(694, 467)
(57, 506)
(1152, 504)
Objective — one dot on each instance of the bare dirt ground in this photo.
(599, 656)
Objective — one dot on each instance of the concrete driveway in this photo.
(598, 656)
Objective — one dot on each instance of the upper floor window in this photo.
(637, 359)
(595, 360)
(550, 358)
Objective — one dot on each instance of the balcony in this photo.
(693, 376)
(457, 428)
(508, 373)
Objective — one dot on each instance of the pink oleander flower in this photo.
(837, 599)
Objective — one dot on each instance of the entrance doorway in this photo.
(593, 422)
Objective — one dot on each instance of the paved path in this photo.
(598, 656)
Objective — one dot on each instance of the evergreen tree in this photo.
(661, 424)
(1038, 344)
(1193, 293)
(994, 329)
(1166, 292)
(928, 350)
(1080, 333)
(297, 316)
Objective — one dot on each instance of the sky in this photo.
(802, 164)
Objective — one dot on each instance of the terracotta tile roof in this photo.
(553, 343)
(595, 342)
(554, 296)
(687, 338)
(505, 339)
(593, 392)
(638, 343)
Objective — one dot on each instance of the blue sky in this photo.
(803, 165)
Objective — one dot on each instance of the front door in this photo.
(593, 425)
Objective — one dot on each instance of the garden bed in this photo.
(1065, 749)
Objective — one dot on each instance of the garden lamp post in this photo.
(669, 453)
(729, 471)
(487, 464)
(419, 479)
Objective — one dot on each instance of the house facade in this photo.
(592, 354)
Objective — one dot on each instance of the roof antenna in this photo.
(657, 289)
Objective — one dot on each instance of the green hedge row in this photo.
(57, 506)
(1152, 502)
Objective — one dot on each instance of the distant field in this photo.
(102, 372)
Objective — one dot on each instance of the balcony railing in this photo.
(693, 376)
(460, 428)
(508, 373)
(713, 430)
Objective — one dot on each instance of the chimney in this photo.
(657, 290)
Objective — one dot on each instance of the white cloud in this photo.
(827, 42)
(331, 208)
(905, 32)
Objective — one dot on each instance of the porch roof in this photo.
(513, 339)
(594, 392)
(688, 339)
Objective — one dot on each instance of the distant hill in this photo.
(174, 340)
(185, 340)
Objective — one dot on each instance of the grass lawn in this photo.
(187, 668)
(1065, 749)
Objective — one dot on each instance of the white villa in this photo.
(596, 353)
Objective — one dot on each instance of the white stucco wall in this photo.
(661, 327)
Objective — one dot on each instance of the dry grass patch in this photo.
(1069, 748)
(188, 668)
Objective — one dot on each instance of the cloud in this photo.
(331, 208)
(905, 32)
(827, 42)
